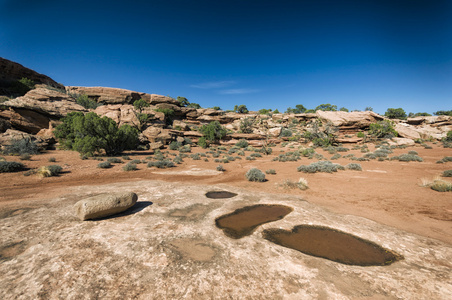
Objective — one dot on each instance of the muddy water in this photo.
(243, 221)
(332, 244)
(220, 194)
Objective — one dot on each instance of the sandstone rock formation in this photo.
(107, 95)
(47, 102)
(104, 205)
(358, 119)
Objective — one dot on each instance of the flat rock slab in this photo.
(104, 205)
(173, 250)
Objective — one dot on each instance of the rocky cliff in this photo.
(40, 109)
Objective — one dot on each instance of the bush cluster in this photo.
(49, 171)
(255, 174)
(382, 129)
(320, 166)
(10, 166)
(90, 133)
(213, 131)
(22, 146)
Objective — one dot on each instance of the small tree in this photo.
(86, 102)
(90, 133)
(344, 109)
(194, 105)
(241, 109)
(368, 108)
(382, 129)
(213, 131)
(299, 109)
(443, 113)
(326, 107)
(395, 113)
(140, 104)
(183, 101)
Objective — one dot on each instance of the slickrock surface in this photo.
(167, 247)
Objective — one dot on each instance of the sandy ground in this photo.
(388, 192)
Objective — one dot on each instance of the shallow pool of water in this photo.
(332, 244)
(220, 194)
(243, 221)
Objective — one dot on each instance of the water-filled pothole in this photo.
(243, 221)
(220, 194)
(332, 244)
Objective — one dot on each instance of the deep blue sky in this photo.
(264, 54)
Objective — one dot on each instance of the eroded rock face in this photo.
(104, 205)
(42, 141)
(358, 119)
(47, 102)
(120, 113)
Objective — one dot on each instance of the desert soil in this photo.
(388, 192)
(168, 247)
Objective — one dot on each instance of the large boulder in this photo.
(121, 114)
(47, 102)
(356, 119)
(104, 205)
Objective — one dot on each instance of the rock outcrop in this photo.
(11, 72)
(104, 205)
(47, 102)
(107, 95)
(356, 119)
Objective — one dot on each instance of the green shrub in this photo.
(382, 129)
(175, 145)
(86, 102)
(246, 125)
(114, 160)
(10, 166)
(448, 137)
(220, 168)
(169, 114)
(202, 142)
(270, 172)
(407, 157)
(125, 157)
(130, 167)
(285, 132)
(178, 160)
(395, 113)
(52, 159)
(321, 137)
(90, 133)
(140, 104)
(412, 152)
(441, 186)
(213, 131)
(360, 134)
(447, 173)
(241, 109)
(185, 149)
(104, 165)
(255, 155)
(336, 156)
(161, 164)
(242, 143)
(22, 146)
(320, 166)
(255, 174)
(135, 161)
(353, 166)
